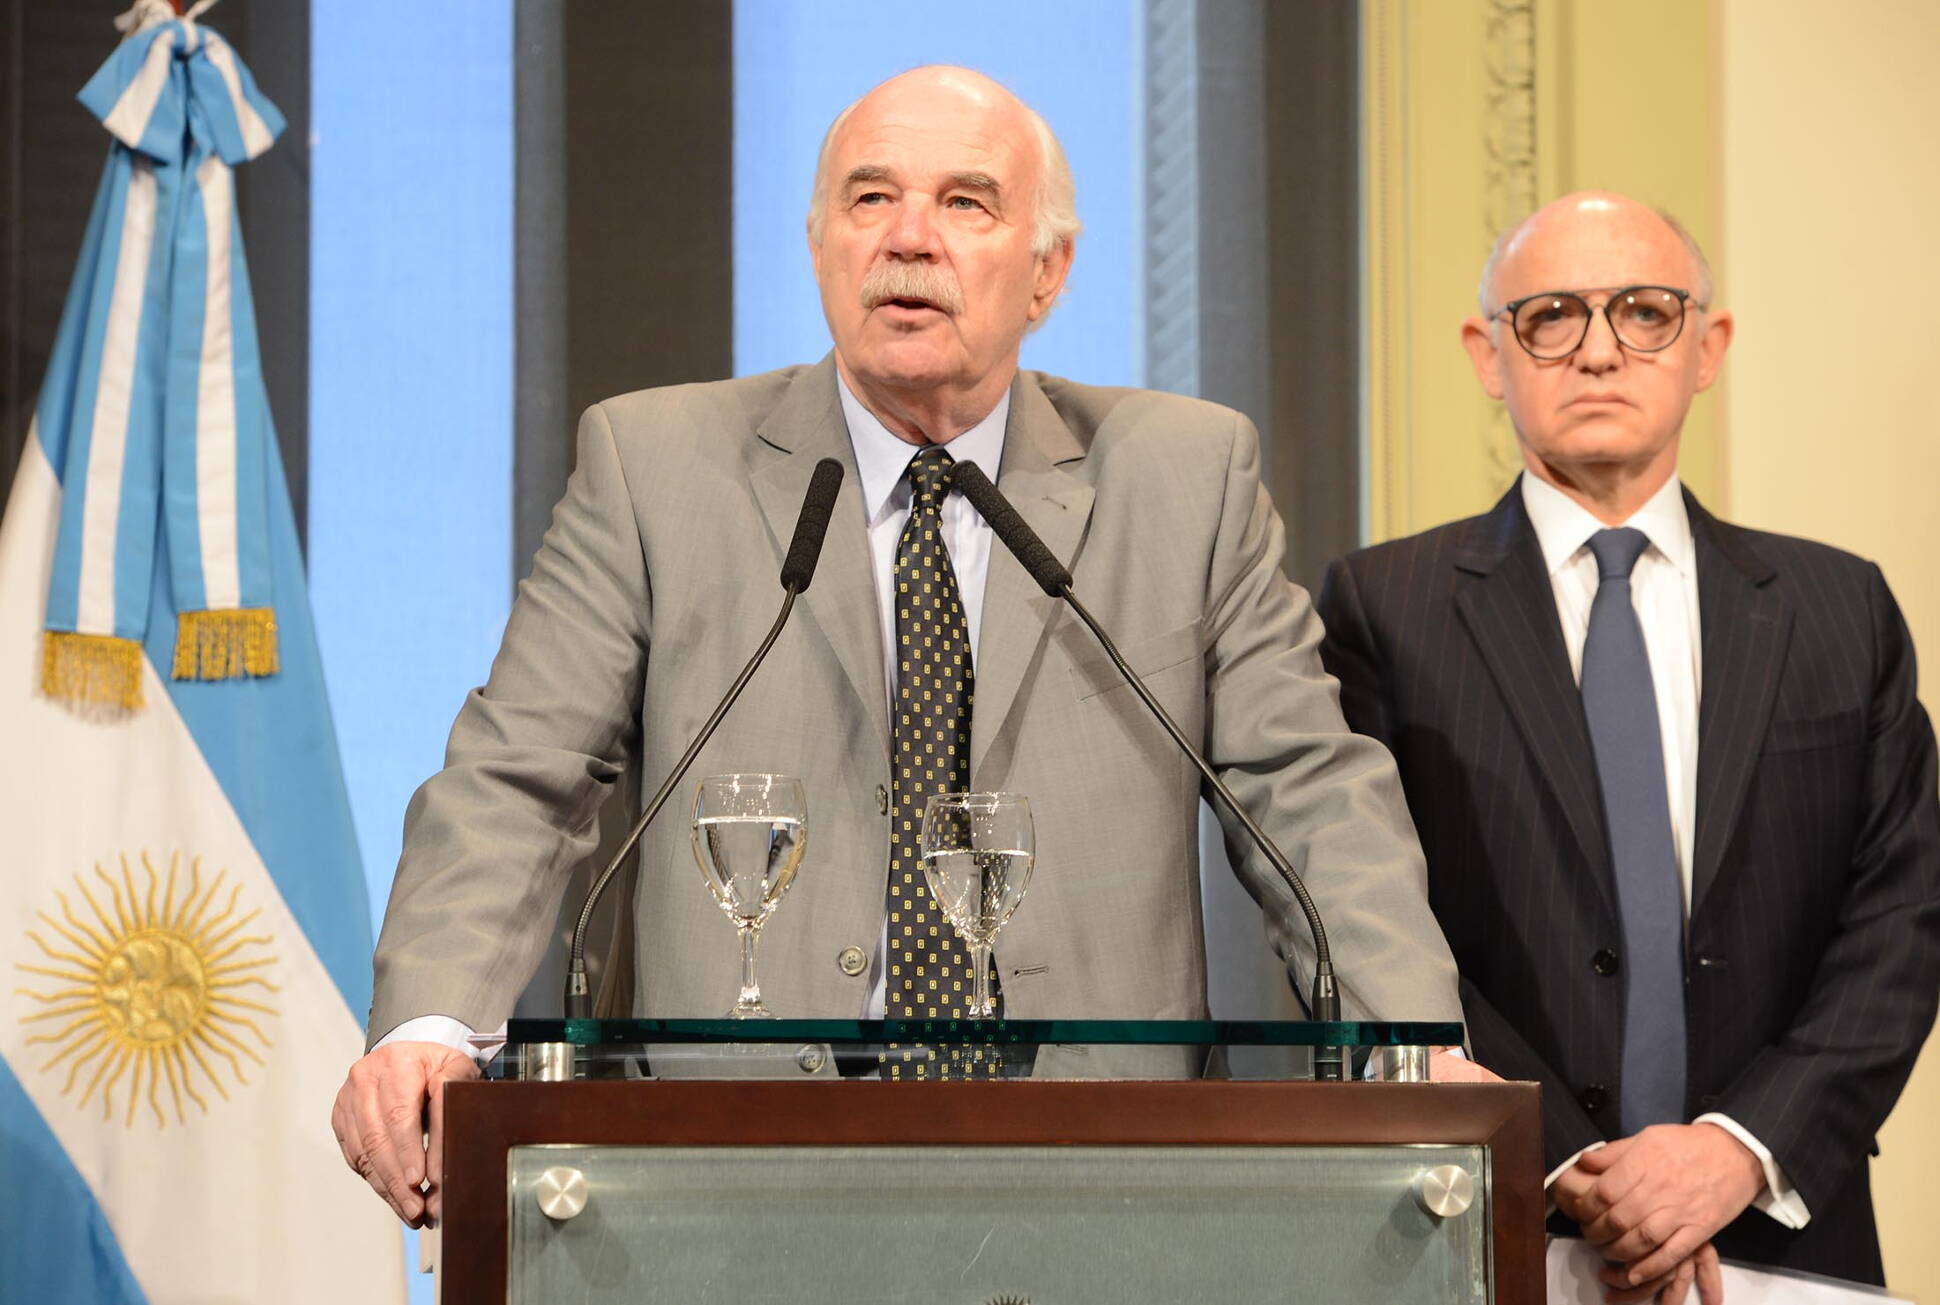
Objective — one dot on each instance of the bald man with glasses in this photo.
(1676, 791)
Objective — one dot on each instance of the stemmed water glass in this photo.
(978, 850)
(749, 832)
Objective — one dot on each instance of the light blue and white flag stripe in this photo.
(183, 920)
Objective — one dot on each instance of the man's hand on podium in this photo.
(392, 1098)
(1448, 1065)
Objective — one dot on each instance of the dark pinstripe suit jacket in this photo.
(1814, 940)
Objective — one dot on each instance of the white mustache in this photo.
(905, 280)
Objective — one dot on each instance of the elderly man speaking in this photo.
(941, 231)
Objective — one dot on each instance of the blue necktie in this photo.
(1621, 707)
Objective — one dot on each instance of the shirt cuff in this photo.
(447, 1032)
(1779, 1198)
(1558, 1171)
(1549, 1206)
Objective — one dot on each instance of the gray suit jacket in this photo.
(656, 581)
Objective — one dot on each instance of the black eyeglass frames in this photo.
(1554, 324)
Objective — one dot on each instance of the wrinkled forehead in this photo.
(917, 135)
(1592, 248)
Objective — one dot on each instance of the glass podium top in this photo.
(1017, 1048)
(1016, 1032)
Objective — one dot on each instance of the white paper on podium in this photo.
(1573, 1266)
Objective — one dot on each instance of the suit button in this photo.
(1604, 962)
(882, 799)
(812, 1057)
(851, 960)
(1593, 1098)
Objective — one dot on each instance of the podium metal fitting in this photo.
(547, 1062)
(1404, 1064)
(1445, 1191)
(561, 1193)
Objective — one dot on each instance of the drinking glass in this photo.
(978, 850)
(749, 831)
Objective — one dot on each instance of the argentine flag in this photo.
(182, 915)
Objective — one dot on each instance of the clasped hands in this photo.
(1651, 1203)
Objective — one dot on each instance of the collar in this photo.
(1563, 526)
(881, 457)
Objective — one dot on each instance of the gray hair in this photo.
(1054, 208)
(1700, 293)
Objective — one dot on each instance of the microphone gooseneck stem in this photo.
(579, 998)
(1055, 580)
(797, 570)
(1325, 1005)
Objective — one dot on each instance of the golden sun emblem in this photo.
(152, 987)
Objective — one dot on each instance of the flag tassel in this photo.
(225, 645)
(91, 670)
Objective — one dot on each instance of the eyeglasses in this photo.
(1554, 324)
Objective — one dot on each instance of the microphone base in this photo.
(579, 996)
(1330, 1063)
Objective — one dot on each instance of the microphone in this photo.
(1052, 577)
(797, 569)
(818, 505)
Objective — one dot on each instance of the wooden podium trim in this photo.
(484, 1120)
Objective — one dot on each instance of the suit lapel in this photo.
(1016, 613)
(1510, 611)
(807, 424)
(1744, 629)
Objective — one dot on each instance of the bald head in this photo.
(1594, 229)
(981, 104)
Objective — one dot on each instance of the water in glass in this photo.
(749, 834)
(978, 851)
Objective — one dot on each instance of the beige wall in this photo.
(1795, 138)
(1831, 257)
(1477, 110)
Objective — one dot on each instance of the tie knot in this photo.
(929, 475)
(1617, 551)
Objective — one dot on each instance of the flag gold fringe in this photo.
(91, 671)
(225, 645)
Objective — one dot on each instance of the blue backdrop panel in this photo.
(410, 386)
(410, 381)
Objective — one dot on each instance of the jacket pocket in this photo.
(1092, 673)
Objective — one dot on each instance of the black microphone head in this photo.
(1018, 537)
(817, 506)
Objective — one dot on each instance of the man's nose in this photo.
(913, 234)
(1600, 351)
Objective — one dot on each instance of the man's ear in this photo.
(1718, 328)
(1482, 352)
(814, 248)
(1052, 269)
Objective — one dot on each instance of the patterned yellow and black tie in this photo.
(929, 967)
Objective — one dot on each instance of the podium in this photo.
(743, 1161)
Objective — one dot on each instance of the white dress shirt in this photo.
(1664, 592)
(881, 459)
